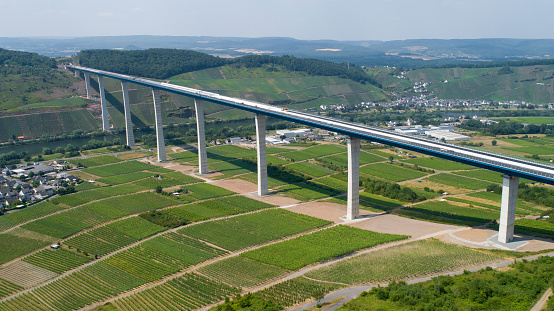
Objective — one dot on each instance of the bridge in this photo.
(512, 168)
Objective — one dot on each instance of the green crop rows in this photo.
(202, 191)
(247, 230)
(372, 202)
(7, 288)
(96, 161)
(311, 169)
(449, 213)
(167, 180)
(67, 223)
(296, 290)
(14, 246)
(439, 164)
(342, 159)
(401, 261)
(124, 178)
(95, 194)
(307, 191)
(26, 214)
(216, 208)
(534, 228)
(187, 292)
(120, 168)
(391, 172)
(57, 260)
(458, 181)
(232, 168)
(319, 246)
(108, 238)
(314, 152)
(240, 271)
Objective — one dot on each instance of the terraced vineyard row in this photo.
(187, 292)
(59, 260)
(402, 261)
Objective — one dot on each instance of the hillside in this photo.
(504, 82)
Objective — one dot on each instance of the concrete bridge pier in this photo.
(77, 73)
(128, 121)
(510, 185)
(87, 84)
(353, 200)
(159, 126)
(105, 117)
(263, 185)
(201, 133)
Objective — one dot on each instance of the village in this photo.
(29, 184)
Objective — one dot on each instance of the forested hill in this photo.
(16, 58)
(165, 63)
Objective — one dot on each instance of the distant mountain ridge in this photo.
(406, 53)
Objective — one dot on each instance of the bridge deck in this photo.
(513, 166)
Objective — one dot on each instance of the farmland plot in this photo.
(296, 290)
(391, 172)
(402, 261)
(57, 260)
(29, 213)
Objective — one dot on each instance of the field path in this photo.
(542, 302)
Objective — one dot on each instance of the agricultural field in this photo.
(124, 178)
(19, 242)
(534, 228)
(314, 152)
(438, 164)
(308, 191)
(253, 178)
(319, 246)
(402, 261)
(391, 172)
(167, 180)
(70, 222)
(232, 168)
(229, 152)
(109, 238)
(297, 290)
(371, 202)
(57, 260)
(203, 191)
(83, 197)
(449, 213)
(95, 161)
(491, 196)
(29, 213)
(190, 291)
(7, 288)
(240, 271)
(310, 169)
(458, 181)
(122, 168)
(252, 229)
(334, 182)
(342, 159)
(215, 208)
(487, 175)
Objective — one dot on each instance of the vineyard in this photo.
(240, 271)
(106, 239)
(342, 159)
(314, 152)
(372, 202)
(458, 181)
(190, 291)
(216, 208)
(310, 169)
(402, 261)
(96, 161)
(256, 228)
(449, 213)
(123, 168)
(391, 172)
(306, 191)
(29, 213)
(203, 191)
(296, 290)
(167, 180)
(7, 288)
(95, 194)
(439, 164)
(58, 260)
(534, 228)
(124, 178)
(319, 246)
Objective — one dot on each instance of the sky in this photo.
(301, 19)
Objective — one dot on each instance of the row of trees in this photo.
(504, 127)
(164, 63)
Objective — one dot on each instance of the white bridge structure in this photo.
(512, 167)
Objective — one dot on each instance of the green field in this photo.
(391, 172)
(530, 120)
(307, 191)
(310, 169)
(342, 159)
(96, 161)
(29, 213)
(121, 168)
(401, 261)
(458, 181)
(319, 246)
(248, 230)
(240, 271)
(372, 202)
(124, 178)
(314, 152)
(57, 260)
(438, 164)
(448, 213)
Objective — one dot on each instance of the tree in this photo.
(391, 159)
(159, 189)
(46, 151)
(494, 142)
